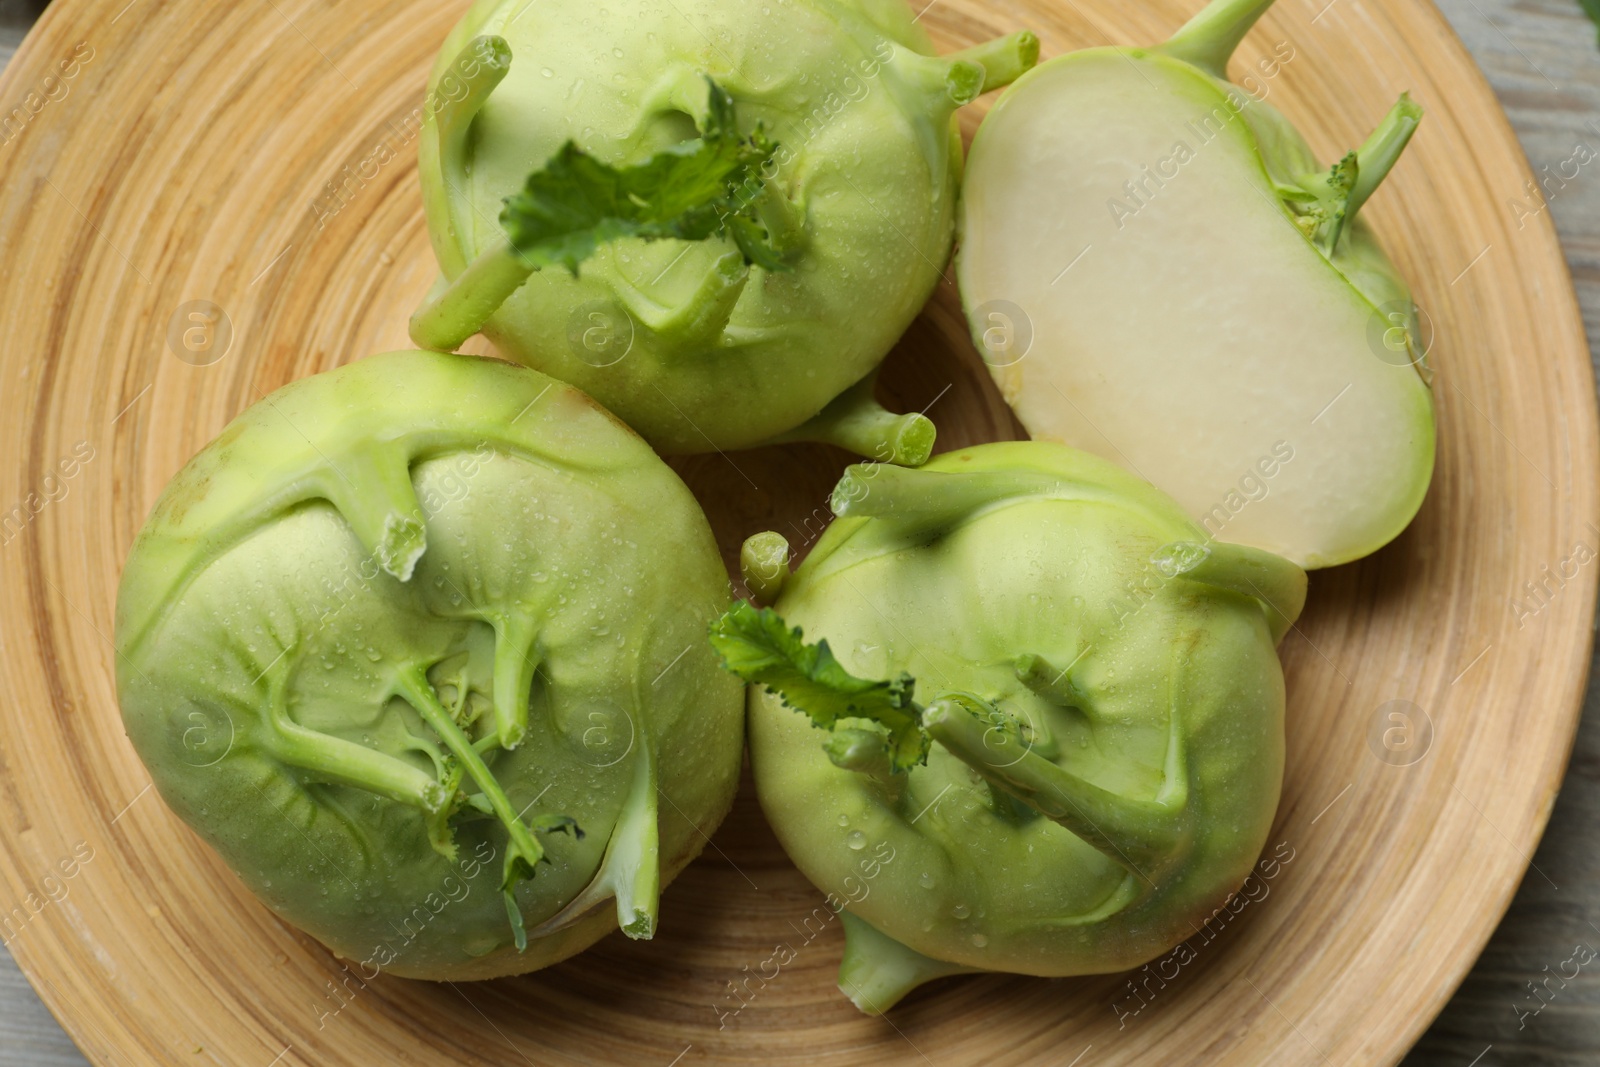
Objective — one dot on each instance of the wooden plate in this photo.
(171, 151)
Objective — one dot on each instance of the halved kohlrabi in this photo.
(1158, 270)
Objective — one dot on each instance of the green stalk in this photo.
(523, 852)
(337, 760)
(1382, 150)
(1262, 576)
(764, 565)
(1004, 59)
(489, 58)
(877, 970)
(371, 487)
(514, 665)
(1210, 38)
(937, 498)
(856, 422)
(1136, 834)
(446, 321)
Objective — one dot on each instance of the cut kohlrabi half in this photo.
(1157, 270)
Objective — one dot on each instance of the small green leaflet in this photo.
(690, 191)
(758, 646)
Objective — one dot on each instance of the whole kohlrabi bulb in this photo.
(403, 621)
(1052, 711)
(714, 323)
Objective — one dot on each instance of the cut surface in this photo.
(1146, 298)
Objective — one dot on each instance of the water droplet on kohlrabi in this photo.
(978, 940)
(857, 840)
(548, 73)
(926, 881)
(844, 820)
(961, 911)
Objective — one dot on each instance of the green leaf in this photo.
(691, 191)
(758, 646)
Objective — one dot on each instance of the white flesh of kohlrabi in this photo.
(1191, 334)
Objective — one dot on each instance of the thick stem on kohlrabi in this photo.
(523, 852)
(856, 422)
(932, 499)
(1210, 38)
(764, 565)
(1136, 834)
(631, 870)
(480, 67)
(878, 971)
(1004, 59)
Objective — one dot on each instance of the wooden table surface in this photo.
(1522, 1004)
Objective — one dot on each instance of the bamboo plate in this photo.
(180, 161)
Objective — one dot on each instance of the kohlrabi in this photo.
(1159, 271)
(417, 645)
(714, 216)
(1047, 695)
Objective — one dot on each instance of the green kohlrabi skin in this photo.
(694, 348)
(1128, 782)
(386, 638)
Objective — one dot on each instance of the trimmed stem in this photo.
(1042, 677)
(704, 316)
(946, 82)
(781, 217)
(631, 869)
(1262, 576)
(1004, 59)
(337, 760)
(371, 487)
(447, 320)
(633, 855)
(764, 564)
(522, 851)
(1136, 834)
(514, 666)
(855, 421)
(937, 498)
(877, 971)
(1382, 150)
(480, 67)
(1210, 38)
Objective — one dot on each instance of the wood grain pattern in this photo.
(181, 166)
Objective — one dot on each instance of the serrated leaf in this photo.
(690, 191)
(758, 646)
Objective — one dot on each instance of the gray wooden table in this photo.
(1541, 56)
